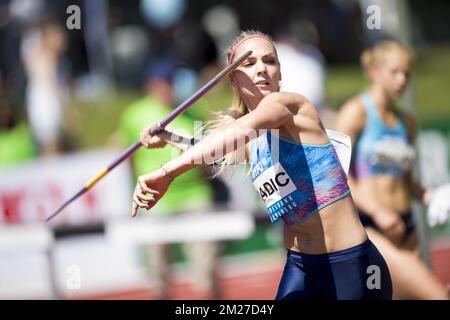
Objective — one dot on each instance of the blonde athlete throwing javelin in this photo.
(297, 173)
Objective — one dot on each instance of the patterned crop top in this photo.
(295, 180)
(381, 149)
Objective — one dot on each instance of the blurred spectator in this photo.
(26, 12)
(302, 63)
(16, 142)
(41, 51)
(193, 188)
(303, 66)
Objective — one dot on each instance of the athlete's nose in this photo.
(261, 67)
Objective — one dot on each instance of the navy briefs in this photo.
(356, 273)
(407, 218)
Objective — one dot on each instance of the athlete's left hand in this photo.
(154, 184)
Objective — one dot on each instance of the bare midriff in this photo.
(389, 192)
(335, 227)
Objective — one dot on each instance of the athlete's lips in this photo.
(262, 83)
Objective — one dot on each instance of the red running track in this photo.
(254, 279)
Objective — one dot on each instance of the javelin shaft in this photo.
(154, 130)
(180, 109)
(130, 150)
(61, 208)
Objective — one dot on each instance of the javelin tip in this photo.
(76, 196)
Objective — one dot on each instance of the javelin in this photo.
(156, 129)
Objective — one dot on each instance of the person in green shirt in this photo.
(16, 141)
(191, 194)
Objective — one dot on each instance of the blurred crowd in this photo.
(45, 64)
(43, 58)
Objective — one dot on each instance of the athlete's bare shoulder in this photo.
(355, 107)
(351, 116)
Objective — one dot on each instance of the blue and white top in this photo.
(381, 149)
(295, 180)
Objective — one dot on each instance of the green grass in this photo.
(343, 82)
(432, 88)
(92, 123)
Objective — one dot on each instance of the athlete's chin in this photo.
(396, 94)
(265, 92)
(259, 94)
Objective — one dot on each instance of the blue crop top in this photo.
(381, 149)
(295, 180)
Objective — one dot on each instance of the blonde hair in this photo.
(374, 56)
(237, 109)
